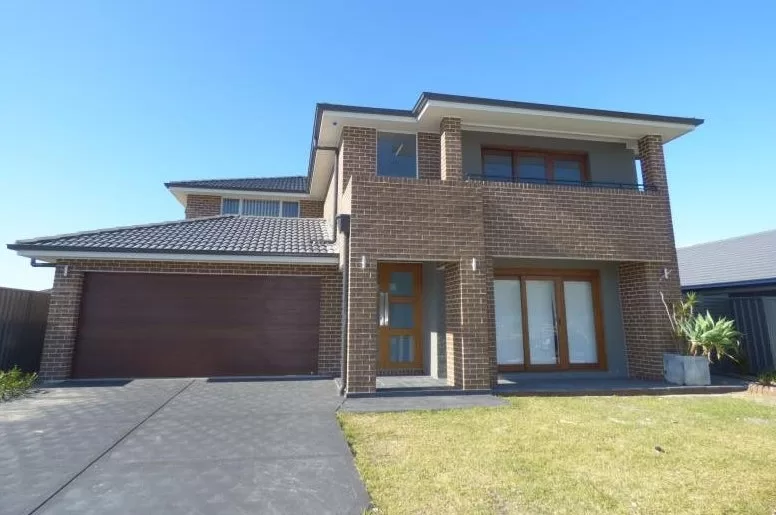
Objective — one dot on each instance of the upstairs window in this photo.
(397, 155)
(534, 166)
(251, 207)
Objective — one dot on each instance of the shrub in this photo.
(767, 378)
(14, 382)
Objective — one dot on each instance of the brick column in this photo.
(429, 166)
(359, 165)
(59, 343)
(451, 159)
(646, 325)
(469, 324)
(362, 326)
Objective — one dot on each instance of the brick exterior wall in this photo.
(450, 149)
(429, 164)
(62, 329)
(647, 331)
(311, 208)
(198, 206)
(539, 220)
(451, 221)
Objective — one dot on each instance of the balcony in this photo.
(629, 186)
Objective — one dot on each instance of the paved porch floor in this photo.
(526, 385)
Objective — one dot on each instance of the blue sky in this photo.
(102, 102)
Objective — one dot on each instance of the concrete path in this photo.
(178, 446)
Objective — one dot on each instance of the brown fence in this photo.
(22, 327)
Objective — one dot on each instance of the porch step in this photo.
(432, 391)
(526, 391)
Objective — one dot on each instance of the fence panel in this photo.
(23, 316)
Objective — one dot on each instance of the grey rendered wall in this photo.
(612, 315)
(609, 162)
(433, 321)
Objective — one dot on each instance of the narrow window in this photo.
(261, 207)
(531, 168)
(396, 155)
(230, 206)
(290, 209)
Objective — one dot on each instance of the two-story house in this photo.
(463, 238)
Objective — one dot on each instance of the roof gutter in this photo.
(54, 255)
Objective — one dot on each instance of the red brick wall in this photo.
(61, 332)
(198, 206)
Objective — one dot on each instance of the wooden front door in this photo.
(400, 326)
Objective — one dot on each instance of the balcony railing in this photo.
(637, 186)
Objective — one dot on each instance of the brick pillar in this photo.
(469, 324)
(362, 326)
(646, 325)
(429, 166)
(451, 159)
(59, 343)
(330, 333)
(359, 153)
(198, 206)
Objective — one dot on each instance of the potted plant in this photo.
(704, 339)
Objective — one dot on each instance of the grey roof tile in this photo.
(745, 258)
(294, 184)
(227, 234)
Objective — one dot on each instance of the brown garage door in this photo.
(157, 325)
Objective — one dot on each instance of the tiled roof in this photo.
(228, 234)
(735, 260)
(296, 184)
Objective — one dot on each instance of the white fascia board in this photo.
(553, 114)
(269, 195)
(545, 133)
(54, 255)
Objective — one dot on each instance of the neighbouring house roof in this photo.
(744, 260)
(219, 235)
(292, 184)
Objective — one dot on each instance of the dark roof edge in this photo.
(169, 185)
(125, 250)
(730, 284)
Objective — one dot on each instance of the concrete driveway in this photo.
(178, 446)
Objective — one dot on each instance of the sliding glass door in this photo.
(548, 320)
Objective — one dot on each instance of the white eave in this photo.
(181, 192)
(553, 122)
(52, 256)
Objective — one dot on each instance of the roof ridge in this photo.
(123, 228)
(731, 238)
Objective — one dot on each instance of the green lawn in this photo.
(572, 455)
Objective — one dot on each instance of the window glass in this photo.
(290, 209)
(509, 322)
(580, 322)
(402, 315)
(401, 284)
(402, 349)
(531, 169)
(497, 164)
(396, 155)
(230, 206)
(261, 207)
(568, 172)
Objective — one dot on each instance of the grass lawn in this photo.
(572, 455)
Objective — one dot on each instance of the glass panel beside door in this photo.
(548, 322)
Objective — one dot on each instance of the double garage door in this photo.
(167, 325)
